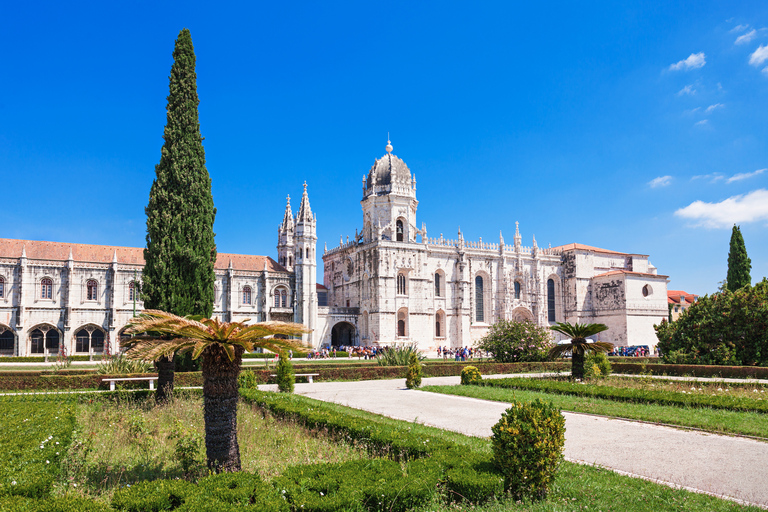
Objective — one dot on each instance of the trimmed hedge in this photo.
(647, 396)
(40, 381)
(41, 359)
(693, 370)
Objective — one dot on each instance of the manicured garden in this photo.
(116, 451)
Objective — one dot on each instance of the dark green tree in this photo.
(739, 264)
(178, 275)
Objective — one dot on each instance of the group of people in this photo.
(459, 353)
(633, 351)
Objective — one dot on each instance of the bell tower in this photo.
(305, 268)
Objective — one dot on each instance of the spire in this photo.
(518, 238)
(114, 256)
(288, 217)
(305, 212)
(501, 238)
(70, 257)
(23, 251)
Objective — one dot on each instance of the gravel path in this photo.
(725, 466)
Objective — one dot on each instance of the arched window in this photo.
(247, 295)
(402, 323)
(284, 298)
(517, 290)
(290, 260)
(479, 304)
(551, 300)
(401, 289)
(92, 289)
(401, 328)
(307, 252)
(277, 298)
(400, 231)
(44, 339)
(437, 285)
(89, 339)
(132, 291)
(6, 341)
(46, 289)
(2, 288)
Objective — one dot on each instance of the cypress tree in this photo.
(739, 264)
(178, 273)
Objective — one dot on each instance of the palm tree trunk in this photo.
(220, 397)
(577, 365)
(165, 374)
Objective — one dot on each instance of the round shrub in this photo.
(596, 365)
(528, 446)
(470, 375)
(516, 342)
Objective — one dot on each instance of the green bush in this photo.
(528, 446)
(121, 365)
(153, 496)
(286, 378)
(720, 329)
(516, 342)
(398, 356)
(470, 375)
(596, 365)
(248, 379)
(413, 375)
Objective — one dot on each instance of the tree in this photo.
(178, 276)
(516, 342)
(221, 345)
(739, 264)
(286, 377)
(579, 344)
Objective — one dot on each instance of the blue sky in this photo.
(633, 126)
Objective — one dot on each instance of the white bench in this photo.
(112, 381)
(309, 376)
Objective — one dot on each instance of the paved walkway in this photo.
(726, 466)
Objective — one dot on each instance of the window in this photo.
(479, 305)
(46, 289)
(6, 341)
(284, 298)
(401, 328)
(44, 339)
(277, 298)
(290, 261)
(402, 323)
(2, 288)
(86, 341)
(517, 290)
(401, 289)
(437, 285)
(37, 339)
(647, 290)
(551, 300)
(322, 299)
(247, 295)
(400, 231)
(437, 327)
(92, 289)
(132, 291)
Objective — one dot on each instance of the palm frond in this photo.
(578, 331)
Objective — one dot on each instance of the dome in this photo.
(389, 174)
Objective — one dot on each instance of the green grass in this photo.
(720, 421)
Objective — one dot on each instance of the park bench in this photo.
(309, 376)
(120, 379)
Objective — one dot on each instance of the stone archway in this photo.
(343, 333)
(522, 314)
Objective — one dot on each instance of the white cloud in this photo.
(703, 122)
(744, 39)
(714, 107)
(739, 209)
(661, 181)
(759, 56)
(712, 177)
(739, 28)
(694, 61)
(688, 89)
(745, 175)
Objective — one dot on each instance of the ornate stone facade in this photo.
(394, 284)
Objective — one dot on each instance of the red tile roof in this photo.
(628, 272)
(59, 251)
(673, 297)
(574, 246)
(320, 287)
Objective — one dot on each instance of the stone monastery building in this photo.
(390, 284)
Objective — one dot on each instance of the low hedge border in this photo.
(646, 396)
(41, 359)
(24, 381)
(692, 370)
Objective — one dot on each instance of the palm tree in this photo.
(578, 345)
(221, 345)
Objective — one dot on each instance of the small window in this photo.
(92, 289)
(401, 289)
(247, 295)
(517, 290)
(46, 289)
(437, 326)
(6, 341)
(277, 298)
(284, 298)
(437, 285)
(647, 290)
(2, 288)
(132, 291)
(400, 231)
